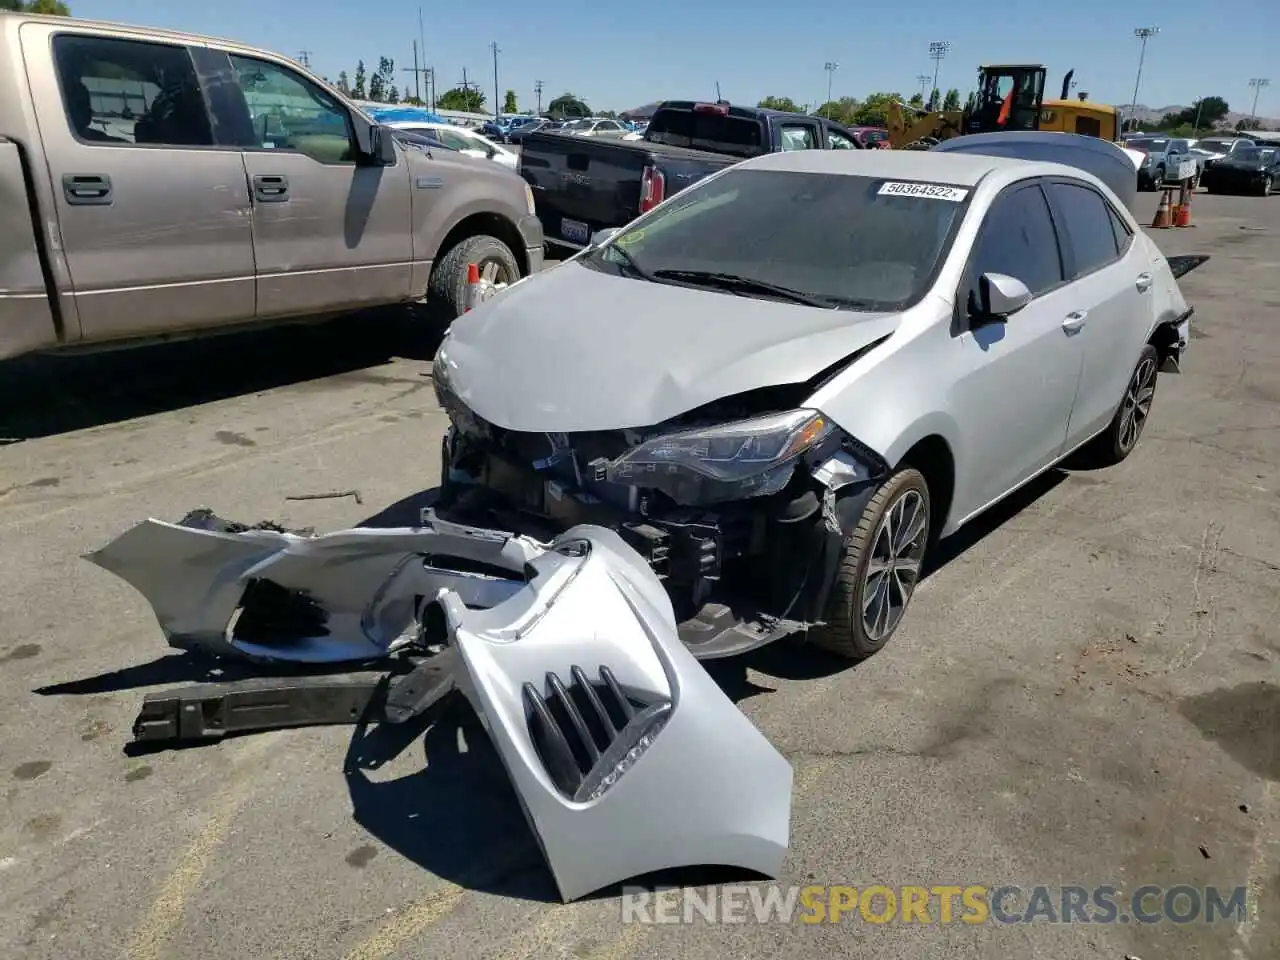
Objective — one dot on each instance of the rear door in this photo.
(1110, 292)
(1016, 380)
(153, 213)
(328, 233)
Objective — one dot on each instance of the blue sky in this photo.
(620, 55)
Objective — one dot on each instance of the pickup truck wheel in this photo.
(1122, 435)
(879, 570)
(447, 290)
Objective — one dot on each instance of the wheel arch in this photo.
(933, 456)
(487, 223)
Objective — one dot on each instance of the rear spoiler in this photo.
(1183, 264)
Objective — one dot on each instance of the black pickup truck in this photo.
(584, 184)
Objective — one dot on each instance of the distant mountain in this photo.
(1147, 114)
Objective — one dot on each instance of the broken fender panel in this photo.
(625, 754)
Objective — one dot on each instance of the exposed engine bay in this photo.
(733, 500)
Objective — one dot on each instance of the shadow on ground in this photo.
(46, 395)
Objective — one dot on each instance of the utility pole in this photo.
(430, 74)
(496, 50)
(304, 58)
(417, 72)
(1143, 34)
(831, 67)
(537, 89)
(1257, 83)
(937, 50)
(923, 80)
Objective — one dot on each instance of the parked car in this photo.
(783, 385)
(1245, 170)
(516, 137)
(420, 141)
(1162, 155)
(585, 185)
(871, 138)
(467, 142)
(594, 127)
(1212, 149)
(156, 183)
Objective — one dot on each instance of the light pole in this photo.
(831, 67)
(923, 80)
(1257, 83)
(937, 50)
(496, 50)
(1143, 34)
(537, 89)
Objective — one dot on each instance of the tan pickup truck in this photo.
(155, 184)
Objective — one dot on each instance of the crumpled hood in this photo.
(575, 350)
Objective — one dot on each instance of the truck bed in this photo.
(596, 182)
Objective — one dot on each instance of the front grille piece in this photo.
(583, 729)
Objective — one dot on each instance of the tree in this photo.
(935, 100)
(54, 8)
(952, 100)
(841, 111)
(509, 104)
(357, 88)
(344, 83)
(567, 107)
(1248, 123)
(780, 103)
(393, 95)
(873, 111)
(465, 99)
(414, 101)
(1208, 112)
(917, 101)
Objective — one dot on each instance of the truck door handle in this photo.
(270, 189)
(86, 189)
(1143, 283)
(1074, 321)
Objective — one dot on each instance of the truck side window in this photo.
(130, 92)
(289, 112)
(798, 136)
(836, 141)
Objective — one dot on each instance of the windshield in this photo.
(859, 243)
(579, 125)
(716, 132)
(1213, 146)
(1252, 154)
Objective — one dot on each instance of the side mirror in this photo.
(384, 146)
(1000, 296)
(603, 236)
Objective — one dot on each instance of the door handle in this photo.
(270, 189)
(86, 189)
(1074, 321)
(1143, 283)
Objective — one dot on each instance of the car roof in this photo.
(962, 169)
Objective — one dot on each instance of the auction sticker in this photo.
(930, 191)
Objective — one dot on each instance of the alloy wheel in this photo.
(492, 271)
(893, 567)
(1137, 404)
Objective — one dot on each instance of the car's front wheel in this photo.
(880, 568)
(1122, 435)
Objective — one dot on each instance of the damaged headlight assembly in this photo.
(731, 461)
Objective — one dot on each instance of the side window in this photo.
(609, 125)
(1121, 231)
(289, 112)
(129, 92)
(451, 139)
(1087, 222)
(837, 141)
(1017, 239)
(798, 136)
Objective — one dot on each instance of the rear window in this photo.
(735, 136)
(858, 243)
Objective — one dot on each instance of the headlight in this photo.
(732, 461)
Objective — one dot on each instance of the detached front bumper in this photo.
(626, 756)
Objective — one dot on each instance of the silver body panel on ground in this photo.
(699, 786)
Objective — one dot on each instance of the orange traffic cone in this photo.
(473, 285)
(1183, 219)
(1164, 215)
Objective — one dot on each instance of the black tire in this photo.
(845, 631)
(447, 290)
(1116, 442)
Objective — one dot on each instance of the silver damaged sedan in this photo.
(784, 384)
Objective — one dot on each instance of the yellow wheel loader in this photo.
(1009, 97)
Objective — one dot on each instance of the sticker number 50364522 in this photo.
(930, 191)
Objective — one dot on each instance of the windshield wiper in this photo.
(734, 283)
(627, 260)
